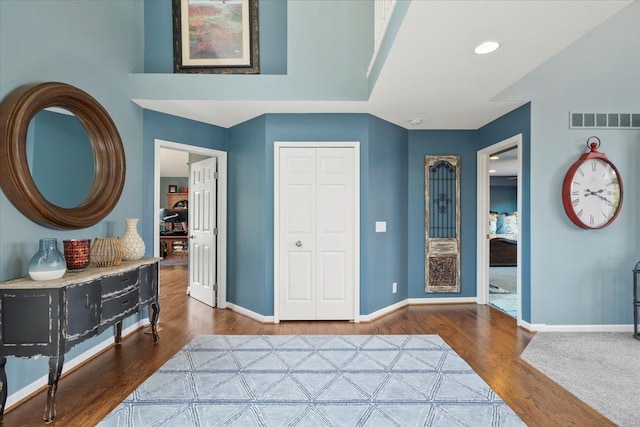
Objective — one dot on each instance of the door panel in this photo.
(297, 239)
(300, 283)
(202, 237)
(333, 285)
(335, 233)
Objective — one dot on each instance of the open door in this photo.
(203, 231)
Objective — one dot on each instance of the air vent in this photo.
(604, 120)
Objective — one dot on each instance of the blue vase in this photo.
(48, 263)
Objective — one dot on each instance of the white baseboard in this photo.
(36, 385)
(251, 314)
(383, 311)
(447, 300)
(584, 328)
(367, 317)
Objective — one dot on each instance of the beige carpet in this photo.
(601, 369)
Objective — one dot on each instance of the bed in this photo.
(503, 239)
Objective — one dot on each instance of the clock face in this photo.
(594, 193)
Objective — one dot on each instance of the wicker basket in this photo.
(106, 252)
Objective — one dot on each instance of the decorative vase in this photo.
(48, 263)
(77, 253)
(106, 252)
(132, 243)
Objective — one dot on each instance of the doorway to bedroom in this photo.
(503, 230)
(499, 219)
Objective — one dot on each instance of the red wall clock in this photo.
(592, 189)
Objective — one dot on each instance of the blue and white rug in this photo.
(314, 380)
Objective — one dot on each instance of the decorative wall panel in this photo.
(442, 223)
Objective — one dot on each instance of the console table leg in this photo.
(3, 386)
(55, 369)
(118, 336)
(155, 312)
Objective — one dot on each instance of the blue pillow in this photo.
(500, 224)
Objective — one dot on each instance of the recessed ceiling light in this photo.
(486, 47)
(494, 157)
(492, 171)
(415, 122)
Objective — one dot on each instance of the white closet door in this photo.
(317, 210)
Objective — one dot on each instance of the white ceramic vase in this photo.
(132, 243)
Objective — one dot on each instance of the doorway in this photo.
(499, 226)
(214, 224)
(316, 231)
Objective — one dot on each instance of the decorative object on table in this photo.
(442, 224)
(185, 190)
(173, 188)
(132, 243)
(636, 300)
(592, 189)
(48, 263)
(215, 37)
(77, 253)
(106, 252)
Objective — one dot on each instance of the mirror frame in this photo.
(16, 111)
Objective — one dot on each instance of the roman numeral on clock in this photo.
(575, 202)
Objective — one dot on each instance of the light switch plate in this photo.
(381, 226)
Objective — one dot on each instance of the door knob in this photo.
(299, 244)
(192, 237)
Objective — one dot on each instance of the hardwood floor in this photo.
(485, 337)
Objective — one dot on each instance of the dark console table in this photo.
(48, 318)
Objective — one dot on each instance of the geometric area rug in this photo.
(314, 380)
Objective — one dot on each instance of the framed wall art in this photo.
(215, 36)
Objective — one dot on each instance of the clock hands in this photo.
(597, 194)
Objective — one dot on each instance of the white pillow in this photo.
(493, 224)
(511, 224)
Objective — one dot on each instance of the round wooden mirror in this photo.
(16, 112)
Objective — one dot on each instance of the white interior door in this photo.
(203, 231)
(317, 240)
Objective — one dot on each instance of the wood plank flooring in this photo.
(485, 337)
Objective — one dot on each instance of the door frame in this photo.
(482, 250)
(276, 216)
(221, 255)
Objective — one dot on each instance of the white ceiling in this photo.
(506, 164)
(431, 72)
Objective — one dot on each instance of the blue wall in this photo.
(422, 143)
(328, 50)
(503, 199)
(58, 142)
(93, 46)
(583, 277)
(172, 129)
(382, 190)
(310, 127)
(249, 271)
(385, 254)
(158, 33)
(517, 122)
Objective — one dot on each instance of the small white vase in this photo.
(132, 243)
